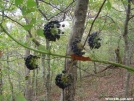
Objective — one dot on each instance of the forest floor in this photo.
(108, 84)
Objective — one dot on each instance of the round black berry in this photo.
(30, 62)
(51, 30)
(77, 47)
(62, 81)
(93, 41)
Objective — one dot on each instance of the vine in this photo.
(62, 56)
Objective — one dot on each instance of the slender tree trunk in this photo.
(127, 49)
(9, 79)
(1, 83)
(48, 78)
(77, 32)
(28, 80)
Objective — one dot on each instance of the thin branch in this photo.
(44, 15)
(62, 56)
(30, 34)
(94, 21)
(63, 11)
(131, 17)
(49, 4)
(23, 45)
(13, 20)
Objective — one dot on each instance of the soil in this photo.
(99, 87)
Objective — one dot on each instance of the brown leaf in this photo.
(82, 58)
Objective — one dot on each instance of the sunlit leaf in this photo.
(26, 10)
(31, 3)
(108, 4)
(27, 27)
(18, 2)
(40, 32)
(33, 21)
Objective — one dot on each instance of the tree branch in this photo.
(44, 15)
(61, 11)
(94, 21)
(62, 56)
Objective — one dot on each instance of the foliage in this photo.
(19, 18)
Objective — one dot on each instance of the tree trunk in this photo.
(9, 79)
(28, 87)
(1, 83)
(127, 49)
(77, 32)
(48, 83)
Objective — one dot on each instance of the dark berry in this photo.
(62, 81)
(93, 41)
(75, 48)
(64, 71)
(48, 33)
(30, 62)
(63, 25)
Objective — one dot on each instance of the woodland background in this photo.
(109, 74)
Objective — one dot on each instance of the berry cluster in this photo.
(77, 47)
(93, 41)
(52, 30)
(30, 62)
(63, 80)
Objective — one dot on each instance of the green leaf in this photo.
(33, 21)
(18, 2)
(91, 1)
(20, 97)
(26, 10)
(31, 4)
(42, 48)
(40, 32)
(27, 27)
(108, 4)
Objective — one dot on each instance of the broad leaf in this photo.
(108, 4)
(33, 21)
(31, 4)
(28, 27)
(40, 32)
(26, 10)
(18, 2)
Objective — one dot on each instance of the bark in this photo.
(77, 32)
(1, 83)
(28, 93)
(48, 78)
(127, 49)
(9, 79)
(118, 56)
